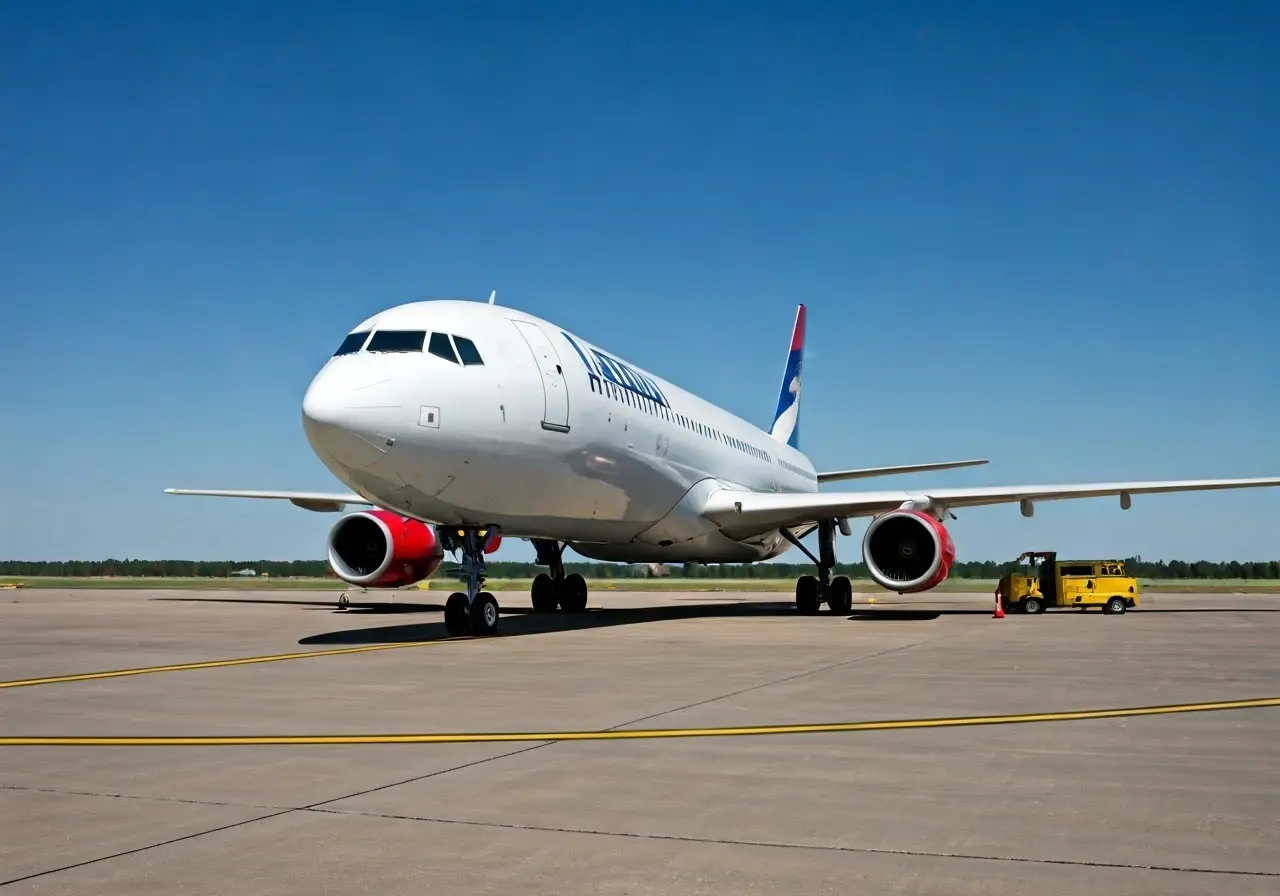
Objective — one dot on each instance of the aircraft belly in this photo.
(712, 547)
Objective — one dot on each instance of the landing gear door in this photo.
(555, 416)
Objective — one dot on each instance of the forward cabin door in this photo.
(555, 415)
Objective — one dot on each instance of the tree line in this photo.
(974, 569)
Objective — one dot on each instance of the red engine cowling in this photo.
(908, 551)
(382, 549)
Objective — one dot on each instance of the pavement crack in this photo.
(815, 847)
(310, 807)
(139, 849)
(777, 681)
(19, 788)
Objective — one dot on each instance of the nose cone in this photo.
(351, 419)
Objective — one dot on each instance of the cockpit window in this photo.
(467, 350)
(352, 343)
(397, 341)
(442, 347)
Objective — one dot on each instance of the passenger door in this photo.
(555, 415)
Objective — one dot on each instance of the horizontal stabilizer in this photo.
(324, 502)
(868, 472)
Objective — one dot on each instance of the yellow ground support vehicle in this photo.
(1032, 588)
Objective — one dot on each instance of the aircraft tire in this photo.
(840, 595)
(807, 602)
(543, 593)
(484, 615)
(573, 594)
(456, 613)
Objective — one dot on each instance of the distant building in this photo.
(649, 570)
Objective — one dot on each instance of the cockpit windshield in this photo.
(397, 341)
(456, 349)
(352, 343)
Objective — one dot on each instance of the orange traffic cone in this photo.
(999, 613)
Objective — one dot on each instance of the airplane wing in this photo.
(736, 510)
(324, 502)
(865, 472)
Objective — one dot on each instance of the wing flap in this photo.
(321, 502)
(867, 472)
(758, 511)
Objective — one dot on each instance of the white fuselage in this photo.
(549, 437)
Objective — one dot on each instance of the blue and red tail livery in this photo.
(786, 420)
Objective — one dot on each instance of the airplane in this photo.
(461, 422)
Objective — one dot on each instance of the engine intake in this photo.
(381, 549)
(908, 551)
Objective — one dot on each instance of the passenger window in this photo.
(441, 347)
(467, 350)
(397, 341)
(352, 343)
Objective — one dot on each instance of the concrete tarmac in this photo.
(1177, 803)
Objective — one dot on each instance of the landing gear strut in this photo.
(473, 612)
(811, 591)
(568, 592)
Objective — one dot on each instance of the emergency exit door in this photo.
(555, 414)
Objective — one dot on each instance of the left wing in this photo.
(325, 502)
(759, 511)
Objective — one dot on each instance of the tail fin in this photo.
(786, 420)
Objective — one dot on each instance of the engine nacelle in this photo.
(382, 549)
(908, 551)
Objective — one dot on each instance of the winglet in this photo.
(493, 295)
(786, 419)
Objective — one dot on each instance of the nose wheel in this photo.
(470, 612)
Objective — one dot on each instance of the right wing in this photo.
(325, 502)
(741, 512)
(865, 472)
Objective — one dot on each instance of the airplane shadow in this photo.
(518, 621)
(907, 615)
(394, 607)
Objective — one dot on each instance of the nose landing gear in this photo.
(473, 612)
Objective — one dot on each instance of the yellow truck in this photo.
(1044, 581)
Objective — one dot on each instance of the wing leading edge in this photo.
(867, 472)
(324, 502)
(758, 511)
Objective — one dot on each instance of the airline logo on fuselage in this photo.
(601, 366)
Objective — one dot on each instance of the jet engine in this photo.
(908, 551)
(382, 549)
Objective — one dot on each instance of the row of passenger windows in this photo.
(457, 349)
(650, 406)
(799, 471)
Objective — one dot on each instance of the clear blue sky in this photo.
(1000, 215)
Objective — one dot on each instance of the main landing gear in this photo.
(811, 591)
(474, 612)
(568, 592)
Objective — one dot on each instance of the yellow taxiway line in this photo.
(214, 664)
(635, 734)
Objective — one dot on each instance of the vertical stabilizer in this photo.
(786, 420)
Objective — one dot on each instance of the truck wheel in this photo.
(1115, 605)
(1032, 605)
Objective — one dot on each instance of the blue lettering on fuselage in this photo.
(616, 372)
